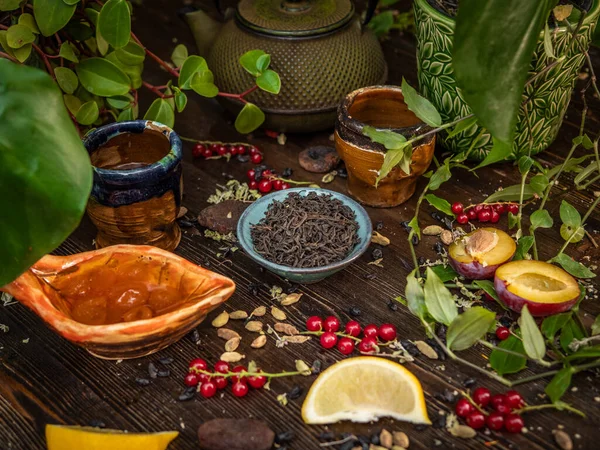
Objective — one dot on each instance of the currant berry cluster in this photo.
(330, 336)
(483, 213)
(208, 150)
(502, 415)
(265, 181)
(208, 385)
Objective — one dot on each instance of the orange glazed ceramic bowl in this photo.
(194, 292)
(382, 107)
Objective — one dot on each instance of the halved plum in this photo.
(545, 289)
(477, 255)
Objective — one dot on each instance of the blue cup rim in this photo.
(356, 253)
(152, 172)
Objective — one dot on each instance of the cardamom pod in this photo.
(232, 357)
(426, 349)
(303, 368)
(259, 312)
(277, 313)
(238, 315)
(298, 339)
(563, 440)
(221, 320)
(290, 299)
(433, 230)
(254, 326)
(232, 344)
(400, 438)
(227, 334)
(286, 328)
(447, 237)
(462, 431)
(385, 438)
(259, 342)
(378, 238)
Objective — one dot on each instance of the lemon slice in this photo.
(363, 389)
(61, 437)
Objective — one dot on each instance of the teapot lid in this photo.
(294, 17)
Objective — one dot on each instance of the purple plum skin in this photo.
(473, 270)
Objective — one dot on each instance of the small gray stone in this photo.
(222, 217)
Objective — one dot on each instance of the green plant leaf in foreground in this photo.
(387, 138)
(395, 157)
(51, 15)
(467, 328)
(575, 268)
(511, 194)
(559, 384)
(189, 68)
(571, 330)
(249, 61)
(487, 286)
(499, 152)
(440, 176)
(445, 273)
(524, 244)
(415, 296)
(505, 363)
(439, 300)
(114, 23)
(249, 119)
(269, 81)
(533, 341)
(440, 204)
(569, 215)
(45, 172)
(422, 107)
(490, 65)
(596, 326)
(462, 126)
(102, 77)
(179, 55)
(541, 219)
(553, 324)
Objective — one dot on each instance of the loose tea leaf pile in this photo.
(306, 231)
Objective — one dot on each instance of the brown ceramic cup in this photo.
(382, 107)
(138, 186)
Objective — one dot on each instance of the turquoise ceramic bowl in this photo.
(257, 211)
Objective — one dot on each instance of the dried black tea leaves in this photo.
(306, 231)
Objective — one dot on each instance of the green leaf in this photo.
(559, 383)
(382, 23)
(422, 107)
(569, 166)
(491, 65)
(391, 159)
(445, 273)
(114, 23)
(571, 330)
(387, 138)
(541, 219)
(553, 324)
(160, 111)
(133, 72)
(511, 194)
(533, 341)
(585, 353)
(596, 326)
(525, 163)
(487, 286)
(414, 225)
(120, 101)
(440, 204)
(22, 53)
(179, 55)
(439, 177)
(249, 61)
(67, 52)
(263, 62)
(93, 15)
(524, 244)
(72, 103)
(462, 126)
(513, 219)
(202, 84)
(192, 65)
(52, 15)
(28, 20)
(569, 215)
(88, 113)
(575, 268)
(269, 81)
(539, 183)
(505, 363)
(71, 2)
(415, 296)
(102, 77)
(168, 92)
(9, 5)
(439, 300)
(45, 172)
(132, 54)
(19, 35)
(467, 328)
(180, 99)
(78, 30)
(500, 152)
(548, 42)
(126, 115)
(66, 79)
(249, 119)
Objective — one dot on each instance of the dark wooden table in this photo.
(45, 379)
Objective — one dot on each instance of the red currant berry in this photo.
(222, 150)
(457, 208)
(257, 381)
(314, 323)
(267, 174)
(191, 379)
(514, 399)
(463, 408)
(198, 364)
(214, 147)
(221, 382)
(353, 328)
(265, 186)
(208, 389)
(256, 158)
(278, 185)
(207, 153)
(513, 423)
(331, 323)
(233, 150)
(502, 333)
(500, 208)
(221, 367)
(253, 185)
(495, 217)
(198, 150)
(239, 389)
(503, 408)
(478, 208)
(513, 208)
(238, 369)
(484, 215)
(495, 421)
(367, 345)
(285, 186)
(476, 420)
(462, 219)
(345, 346)
(371, 331)
(251, 174)
(482, 396)
(472, 214)
(241, 149)
(497, 399)
(328, 339)
(203, 378)
(253, 150)
(387, 332)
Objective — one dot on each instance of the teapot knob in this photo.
(295, 6)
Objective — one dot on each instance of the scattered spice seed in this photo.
(166, 360)
(221, 320)
(187, 394)
(238, 315)
(354, 311)
(232, 344)
(440, 352)
(227, 334)
(410, 348)
(433, 230)
(254, 289)
(278, 314)
(296, 392)
(469, 382)
(385, 438)
(163, 373)
(316, 367)
(259, 342)
(232, 357)
(326, 436)
(379, 225)
(447, 237)
(195, 335)
(152, 370)
(254, 326)
(376, 254)
(259, 312)
(97, 423)
(426, 349)
(392, 305)
(302, 367)
(370, 276)
(142, 381)
(285, 436)
(563, 440)
(400, 439)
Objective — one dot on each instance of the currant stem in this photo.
(520, 355)
(187, 139)
(337, 333)
(472, 402)
(245, 373)
(549, 406)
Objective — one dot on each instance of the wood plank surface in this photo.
(45, 379)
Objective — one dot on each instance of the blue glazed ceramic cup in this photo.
(256, 211)
(137, 187)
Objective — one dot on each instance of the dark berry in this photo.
(239, 389)
(472, 214)
(439, 247)
(371, 331)
(500, 208)
(265, 186)
(513, 423)
(287, 172)
(295, 393)
(198, 150)
(476, 420)
(415, 239)
(284, 437)
(514, 399)
(502, 333)
(462, 218)
(482, 396)
(463, 408)
(256, 158)
(367, 345)
(187, 394)
(495, 421)
(387, 332)
(328, 339)
(405, 225)
(314, 323)
(353, 328)
(457, 208)
(221, 150)
(345, 346)
(331, 323)
(376, 254)
(513, 208)
(241, 149)
(354, 311)
(484, 215)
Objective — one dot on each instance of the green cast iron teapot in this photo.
(320, 48)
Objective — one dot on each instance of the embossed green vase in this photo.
(546, 98)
